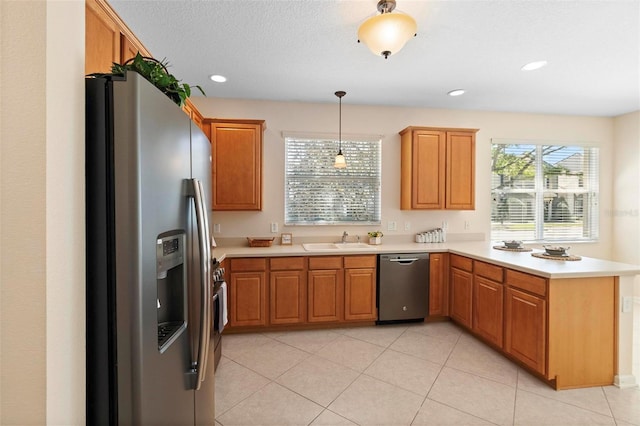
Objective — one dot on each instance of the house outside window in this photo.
(316, 193)
(544, 192)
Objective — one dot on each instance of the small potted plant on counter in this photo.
(375, 237)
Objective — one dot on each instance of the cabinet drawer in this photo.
(460, 262)
(325, 262)
(360, 261)
(249, 264)
(487, 270)
(531, 283)
(286, 263)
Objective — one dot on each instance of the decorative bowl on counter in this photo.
(513, 244)
(556, 250)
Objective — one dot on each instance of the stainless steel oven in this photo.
(219, 311)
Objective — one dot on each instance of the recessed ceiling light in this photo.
(456, 92)
(218, 78)
(533, 65)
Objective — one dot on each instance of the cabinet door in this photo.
(102, 39)
(461, 292)
(236, 149)
(247, 299)
(428, 170)
(128, 49)
(360, 294)
(525, 328)
(324, 295)
(460, 171)
(288, 297)
(438, 294)
(487, 309)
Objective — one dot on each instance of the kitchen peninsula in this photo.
(560, 320)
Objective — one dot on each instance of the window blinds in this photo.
(317, 193)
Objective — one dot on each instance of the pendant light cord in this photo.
(340, 94)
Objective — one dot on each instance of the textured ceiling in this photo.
(306, 50)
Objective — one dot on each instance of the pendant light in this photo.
(387, 33)
(340, 161)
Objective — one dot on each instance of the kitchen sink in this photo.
(335, 246)
(320, 246)
(353, 246)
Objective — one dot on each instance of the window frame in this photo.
(331, 143)
(587, 200)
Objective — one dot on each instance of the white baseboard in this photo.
(625, 381)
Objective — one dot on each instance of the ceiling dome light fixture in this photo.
(387, 33)
(340, 162)
(456, 92)
(218, 78)
(533, 65)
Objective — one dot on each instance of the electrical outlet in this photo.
(216, 228)
(274, 227)
(392, 226)
(466, 224)
(627, 304)
(407, 226)
(445, 225)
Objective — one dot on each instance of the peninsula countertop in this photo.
(483, 251)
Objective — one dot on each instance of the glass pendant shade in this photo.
(340, 163)
(387, 33)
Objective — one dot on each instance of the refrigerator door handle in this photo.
(205, 280)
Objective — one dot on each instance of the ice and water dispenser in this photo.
(171, 279)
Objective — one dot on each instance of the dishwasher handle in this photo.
(405, 261)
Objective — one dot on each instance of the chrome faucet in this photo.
(344, 236)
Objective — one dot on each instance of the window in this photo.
(543, 192)
(316, 193)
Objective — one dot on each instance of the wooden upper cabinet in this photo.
(460, 170)
(437, 168)
(236, 148)
(424, 154)
(129, 49)
(102, 39)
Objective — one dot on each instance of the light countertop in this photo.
(521, 261)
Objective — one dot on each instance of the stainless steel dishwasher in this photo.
(403, 287)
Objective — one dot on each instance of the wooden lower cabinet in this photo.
(461, 290)
(582, 349)
(247, 301)
(299, 290)
(488, 295)
(287, 290)
(360, 288)
(438, 288)
(487, 309)
(525, 328)
(325, 295)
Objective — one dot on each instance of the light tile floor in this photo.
(409, 374)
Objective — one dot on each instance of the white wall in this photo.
(42, 212)
(388, 121)
(626, 227)
(626, 189)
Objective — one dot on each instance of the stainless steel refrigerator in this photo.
(149, 290)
